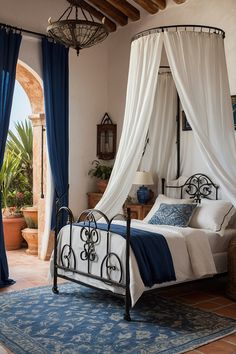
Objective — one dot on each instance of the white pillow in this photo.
(166, 200)
(212, 215)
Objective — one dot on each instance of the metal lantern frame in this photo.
(106, 138)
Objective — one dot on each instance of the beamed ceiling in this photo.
(119, 12)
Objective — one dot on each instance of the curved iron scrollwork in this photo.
(111, 266)
(200, 186)
(197, 187)
(89, 234)
(68, 259)
(112, 263)
(90, 237)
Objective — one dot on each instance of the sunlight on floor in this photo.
(28, 271)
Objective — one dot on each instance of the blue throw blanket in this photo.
(151, 251)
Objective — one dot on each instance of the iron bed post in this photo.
(177, 145)
(127, 272)
(55, 287)
(178, 136)
(163, 185)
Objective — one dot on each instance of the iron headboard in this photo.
(196, 187)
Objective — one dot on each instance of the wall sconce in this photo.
(106, 139)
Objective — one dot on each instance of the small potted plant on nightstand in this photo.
(102, 173)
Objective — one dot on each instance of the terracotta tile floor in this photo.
(208, 294)
(29, 271)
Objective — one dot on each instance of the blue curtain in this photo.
(55, 81)
(9, 50)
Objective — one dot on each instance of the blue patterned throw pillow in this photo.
(173, 214)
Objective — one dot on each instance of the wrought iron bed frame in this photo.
(197, 186)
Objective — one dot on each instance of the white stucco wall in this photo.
(206, 12)
(88, 103)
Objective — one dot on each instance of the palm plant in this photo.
(21, 144)
(16, 175)
(9, 172)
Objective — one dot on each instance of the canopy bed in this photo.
(128, 258)
(194, 246)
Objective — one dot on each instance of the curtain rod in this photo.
(33, 33)
(194, 27)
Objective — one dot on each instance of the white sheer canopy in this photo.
(197, 62)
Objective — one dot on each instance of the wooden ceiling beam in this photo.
(179, 1)
(127, 9)
(160, 3)
(111, 11)
(147, 5)
(111, 26)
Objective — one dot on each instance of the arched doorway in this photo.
(33, 86)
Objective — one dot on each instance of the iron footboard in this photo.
(66, 259)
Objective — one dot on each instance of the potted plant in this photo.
(102, 173)
(12, 200)
(30, 234)
(16, 171)
(22, 144)
(30, 214)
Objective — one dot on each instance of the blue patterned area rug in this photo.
(81, 320)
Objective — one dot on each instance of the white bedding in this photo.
(190, 250)
(218, 243)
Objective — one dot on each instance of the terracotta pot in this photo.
(31, 237)
(12, 227)
(31, 216)
(102, 185)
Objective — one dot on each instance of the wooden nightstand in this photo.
(139, 211)
(93, 199)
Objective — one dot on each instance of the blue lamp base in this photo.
(143, 195)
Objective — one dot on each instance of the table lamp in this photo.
(143, 178)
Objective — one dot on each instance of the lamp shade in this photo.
(143, 178)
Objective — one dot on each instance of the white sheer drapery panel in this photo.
(48, 212)
(160, 156)
(197, 62)
(191, 158)
(142, 80)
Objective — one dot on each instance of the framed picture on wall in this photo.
(233, 98)
(185, 123)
